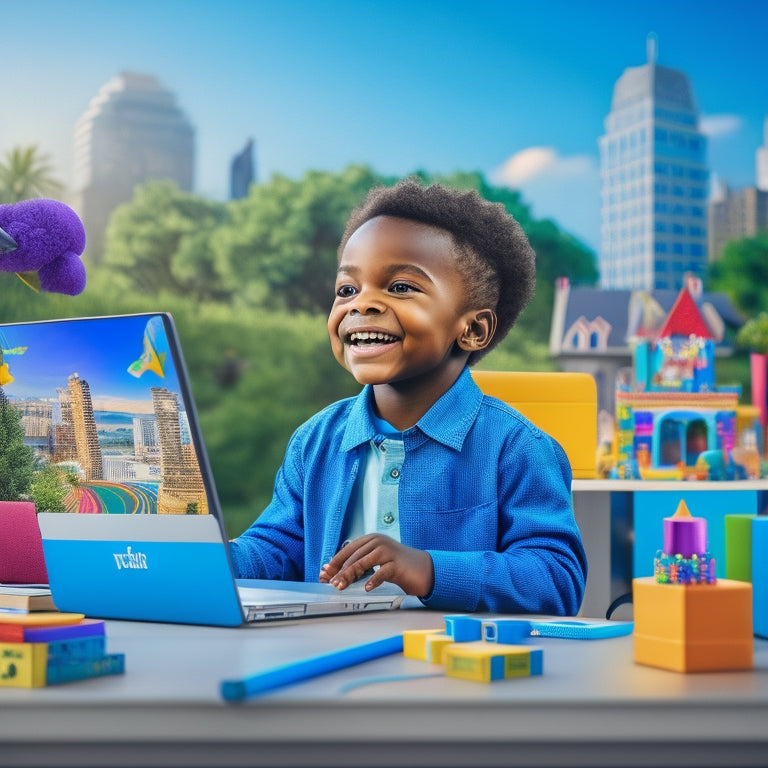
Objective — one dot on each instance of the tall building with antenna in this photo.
(132, 131)
(654, 180)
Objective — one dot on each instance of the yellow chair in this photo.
(562, 404)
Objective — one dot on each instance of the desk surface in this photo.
(669, 485)
(593, 706)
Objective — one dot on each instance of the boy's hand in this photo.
(411, 569)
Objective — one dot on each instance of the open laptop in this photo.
(107, 402)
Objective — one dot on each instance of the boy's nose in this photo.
(366, 303)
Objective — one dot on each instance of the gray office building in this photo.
(242, 172)
(654, 181)
(132, 131)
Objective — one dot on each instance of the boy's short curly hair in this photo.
(492, 251)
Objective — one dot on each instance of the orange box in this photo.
(693, 627)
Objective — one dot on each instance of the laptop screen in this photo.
(103, 402)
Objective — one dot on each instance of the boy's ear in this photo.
(479, 330)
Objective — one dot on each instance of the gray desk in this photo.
(592, 707)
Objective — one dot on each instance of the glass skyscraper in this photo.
(655, 182)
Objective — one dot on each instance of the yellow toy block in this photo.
(23, 665)
(416, 642)
(485, 662)
(693, 627)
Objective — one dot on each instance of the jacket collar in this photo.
(447, 421)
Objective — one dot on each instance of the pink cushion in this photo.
(21, 547)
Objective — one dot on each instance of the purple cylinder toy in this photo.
(684, 534)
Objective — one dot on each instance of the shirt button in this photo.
(394, 473)
(388, 519)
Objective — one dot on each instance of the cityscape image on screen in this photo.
(101, 408)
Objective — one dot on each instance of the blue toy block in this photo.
(760, 575)
(463, 629)
(506, 631)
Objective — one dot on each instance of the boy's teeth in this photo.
(370, 336)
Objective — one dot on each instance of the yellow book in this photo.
(40, 618)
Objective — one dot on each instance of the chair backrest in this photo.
(562, 404)
(21, 546)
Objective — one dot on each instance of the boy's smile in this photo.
(400, 317)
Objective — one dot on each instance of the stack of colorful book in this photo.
(42, 648)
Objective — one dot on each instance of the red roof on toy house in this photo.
(684, 319)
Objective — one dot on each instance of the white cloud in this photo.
(717, 126)
(535, 163)
(565, 189)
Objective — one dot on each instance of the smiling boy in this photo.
(450, 494)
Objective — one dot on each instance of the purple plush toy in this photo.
(41, 241)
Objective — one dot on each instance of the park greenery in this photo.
(249, 283)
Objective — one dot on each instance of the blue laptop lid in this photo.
(146, 567)
(107, 407)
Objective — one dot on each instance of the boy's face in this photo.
(400, 304)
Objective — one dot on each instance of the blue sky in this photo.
(400, 86)
(96, 349)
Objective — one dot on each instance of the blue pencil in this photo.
(236, 690)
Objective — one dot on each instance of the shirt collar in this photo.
(447, 421)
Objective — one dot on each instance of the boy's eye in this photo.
(345, 291)
(401, 288)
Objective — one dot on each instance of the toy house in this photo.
(675, 423)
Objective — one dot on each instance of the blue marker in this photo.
(237, 690)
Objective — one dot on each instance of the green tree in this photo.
(558, 254)
(25, 174)
(280, 246)
(160, 240)
(49, 488)
(753, 335)
(742, 273)
(16, 459)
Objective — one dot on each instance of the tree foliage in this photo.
(17, 461)
(160, 241)
(284, 237)
(753, 335)
(49, 488)
(25, 174)
(742, 273)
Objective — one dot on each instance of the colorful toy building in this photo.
(676, 424)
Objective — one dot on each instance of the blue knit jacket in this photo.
(482, 490)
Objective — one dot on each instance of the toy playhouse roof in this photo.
(618, 308)
(684, 319)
